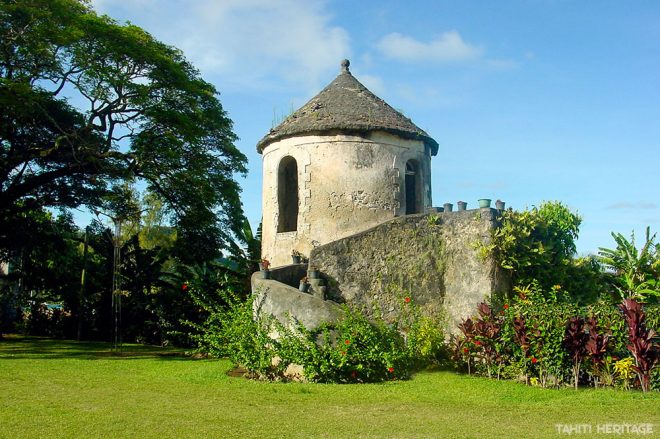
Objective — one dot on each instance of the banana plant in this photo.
(637, 271)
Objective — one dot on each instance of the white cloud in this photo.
(244, 43)
(448, 47)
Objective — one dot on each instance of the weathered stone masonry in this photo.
(431, 258)
(346, 179)
(358, 163)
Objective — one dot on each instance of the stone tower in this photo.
(344, 162)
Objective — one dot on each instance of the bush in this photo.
(42, 320)
(355, 349)
(550, 341)
(352, 350)
(231, 331)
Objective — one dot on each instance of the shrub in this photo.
(355, 349)
(641, 345)
(550, 341)
(625, 371)
(232, 332)
(483, 336)
(351, 350)
(575, 341)
(535, 244)
(424, 335)
(597, 344)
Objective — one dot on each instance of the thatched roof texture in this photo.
(346, 106)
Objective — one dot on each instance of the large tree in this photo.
(88, 104)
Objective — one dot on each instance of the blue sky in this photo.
(529, 100)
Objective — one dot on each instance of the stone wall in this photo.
(284, 302)
(346, 184)
(429, 257)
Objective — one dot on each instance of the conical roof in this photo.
(346, 105)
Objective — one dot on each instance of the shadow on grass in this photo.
(15, 347)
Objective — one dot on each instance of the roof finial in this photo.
(344, 65)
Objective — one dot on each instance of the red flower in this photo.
(466, 350)
(347, 342)
(478, 343)
(407, 299)
(184, 287)
(390, 370)
(534, 360)
(506, 306)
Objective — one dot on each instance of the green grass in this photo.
(52, 388)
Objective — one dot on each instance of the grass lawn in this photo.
(53, 388)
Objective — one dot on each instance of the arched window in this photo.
(413, 188)
(287, 195)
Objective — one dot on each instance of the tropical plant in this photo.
(596, 347)
(354, 349)
(642, 344)
(624, 370)
(575, 341)
(536, 244)
(487, 329)
(637, 272)
(464, 347)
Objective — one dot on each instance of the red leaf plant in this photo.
(575, 340)
(487, 331)
(596, 346)
(642, 346)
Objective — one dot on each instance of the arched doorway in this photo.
(413, 188)
(287, 195)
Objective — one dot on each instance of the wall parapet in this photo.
(431, 258)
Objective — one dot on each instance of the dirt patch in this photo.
(238, 372)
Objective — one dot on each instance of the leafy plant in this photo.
(487, 329)
(642, 345)
(625, 370)
(548, 339)
(351, 350)
(232, 331)
(637, 271)
(575, 341)
(426, 341)
(536, 245)
(463, 347)
(596, 347)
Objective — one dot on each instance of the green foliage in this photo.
(354, 349)
(47, 270)
(426, 341)
(539, 245)
(545, 320)
(145, 115)
(637, 272)
(551, 341)
(231, 331)
(154, 301)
